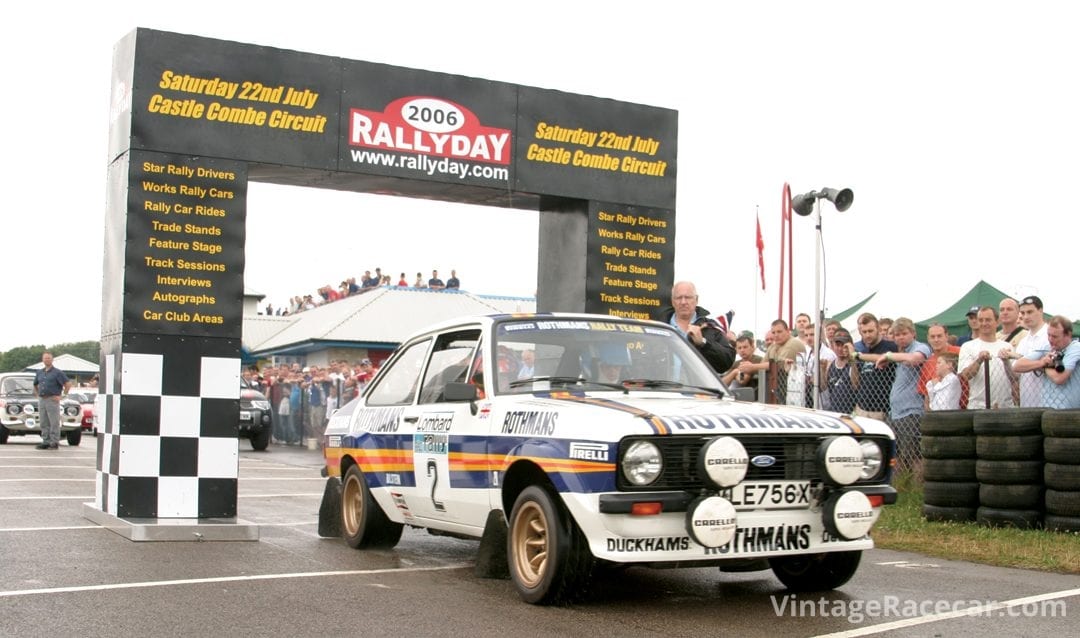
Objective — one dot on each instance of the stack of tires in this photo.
(1061, 449)
(1009, 449)
(950, 491)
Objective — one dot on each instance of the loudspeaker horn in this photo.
(803, 204)
(841, 199)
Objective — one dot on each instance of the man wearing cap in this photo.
(837, 378)
(1030, 351)
(973, 326)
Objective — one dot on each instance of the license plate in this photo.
(245, 415)
(769, 495)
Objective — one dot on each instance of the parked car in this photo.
(619, 446)
(19, 410)
(85, 397)
(256, 418)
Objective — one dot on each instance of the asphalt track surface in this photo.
(62, 575)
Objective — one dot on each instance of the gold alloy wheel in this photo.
(530, 543)
(352, 503)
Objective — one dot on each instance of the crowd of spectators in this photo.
(1010, 357)
(349, 287)
(303, 398)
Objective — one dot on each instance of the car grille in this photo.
(794, 460)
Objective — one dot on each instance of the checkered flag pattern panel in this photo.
(167, 443)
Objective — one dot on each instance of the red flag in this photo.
(761, 253)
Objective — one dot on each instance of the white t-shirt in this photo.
(1000, 386)
(944, 394)
(1032, 346)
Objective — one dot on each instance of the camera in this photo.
(1057, 361)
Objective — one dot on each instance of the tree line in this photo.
(20, 357)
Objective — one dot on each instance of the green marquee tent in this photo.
(955, 316)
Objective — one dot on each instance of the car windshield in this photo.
(16, 386)
(554, 354)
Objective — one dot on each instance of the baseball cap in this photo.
(843, 336)
(365, 362)
(1032, 300)
(974, 310)
(306, 370)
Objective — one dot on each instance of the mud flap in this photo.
(491, 559)
(330, 509)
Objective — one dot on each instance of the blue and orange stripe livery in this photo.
(467, 469)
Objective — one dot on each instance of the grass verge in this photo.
(902, 527)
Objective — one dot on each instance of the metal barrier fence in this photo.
(900, 394)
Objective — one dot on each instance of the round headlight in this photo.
(642, 463)
(872, 458)
(71, 410)
(13, 408)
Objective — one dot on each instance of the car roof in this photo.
(487, 320)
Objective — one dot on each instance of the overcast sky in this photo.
(955, 123)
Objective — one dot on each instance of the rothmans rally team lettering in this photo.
(819, 422)
(379, 419)
(531, 422)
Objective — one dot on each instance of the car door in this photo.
(445, 493)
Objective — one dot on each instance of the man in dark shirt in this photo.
(435, 283)
(873, 384)
(49, 384)
(453, 283)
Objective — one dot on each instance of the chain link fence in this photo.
(900, 393)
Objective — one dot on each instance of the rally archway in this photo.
(193, 120)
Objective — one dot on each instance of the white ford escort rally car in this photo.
(584, 440)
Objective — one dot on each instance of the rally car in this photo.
(19, 410)
(588, 441)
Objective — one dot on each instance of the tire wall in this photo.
(947, 446)
(1061, 470)
(1003, 468)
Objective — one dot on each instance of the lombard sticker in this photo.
(335, 441)
(393, 479)
(589, 451)
(435, 422)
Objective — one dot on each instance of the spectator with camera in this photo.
(1061, 388)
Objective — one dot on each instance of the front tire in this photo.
(549, 559)
(3, 435)
(363, 523)
(261, 439)
(816, 572)
(74, 437)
